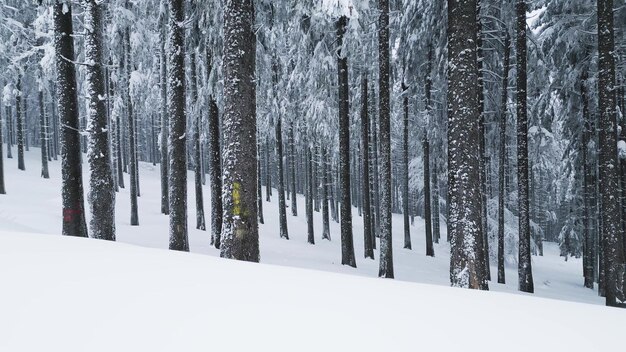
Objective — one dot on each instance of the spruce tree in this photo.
(101, 193)
(240, 238)
(71, 169)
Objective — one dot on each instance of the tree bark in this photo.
(609, 202)
(71, 169)
(215, 173)
(386, 251)
(165, 202)
(525, 274)
(405, 169)
(43, 133)
(466, 267)
(347, 246)
(365, 160)
(240, 238)
(101, 193)
(178, 127)
(501, 166)
(19, 120)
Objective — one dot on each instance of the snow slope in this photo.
(75, 294)
(33, 205)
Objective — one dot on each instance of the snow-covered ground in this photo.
(88, 295)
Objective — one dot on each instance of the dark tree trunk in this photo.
(386, 251)
(405, 169)
(347, 246)
(365, 161)
(19, 119)
(240, 229)
(588, 247)
(132, 154)
(609, 202)
(268, 171)
(2, 188)
(71, 169)
(309, 196)
(259, 198)
(524, 263)
(43, 133)
(502, 152)
(292, 169)
(178, 127)
(165, 202)
(9, 119)
(374, 175)
(215, 173)
(101, 193)
(430, 251)
(196, 117)
(282, 211)
(466, 266)
(325, 190)
(483, 152)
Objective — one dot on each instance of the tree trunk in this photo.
(501, 166)
(19, 119)
(259, 198)
(365, 160)
(240, 227)
(466, 267)
(525, 273)
(587, 239)
(165, 202)
(292, 169)
(215, 173)
(196, 117)
(101, 193)
(609, 203)
(347, 246)
(43, 132)
(309, 196)
(282, 211)
(71, 169)
(2, 188)
(386, 252)
(483, 152)
(132, 154)
(177, 147)
(405, 169)
(325, 190)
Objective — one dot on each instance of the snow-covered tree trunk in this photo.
(240, 227)
(588, 247)
(215, 173)
(609, 202)
(525, 274)
(347, 245)
(405, 169)
(132, 154)
(43, 135)
(101, 193)
(196, 118)
(309, 195)
(2, 187)
(292, 169)
(177, 143)
(368, 236)
(268, 171)
(386, 251)
(483, 152)
(502, 156)
(19, 120)
(259, 197)
(466, 267)
(165, 128)
(282, 211)
(375, 176)
(324, 190)
(71, 169)
(430, 251)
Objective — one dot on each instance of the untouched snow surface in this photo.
(87, 295)
(75, 294)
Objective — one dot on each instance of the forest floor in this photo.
(54, 281)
